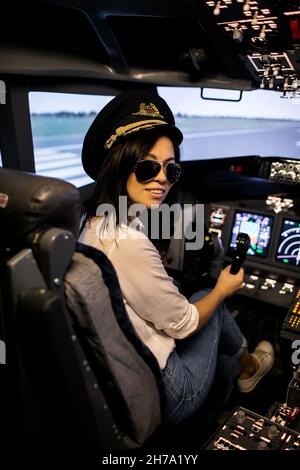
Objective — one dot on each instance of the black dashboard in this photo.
(272, 265)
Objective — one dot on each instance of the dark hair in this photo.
(119, 163)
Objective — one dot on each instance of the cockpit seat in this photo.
(84, 378)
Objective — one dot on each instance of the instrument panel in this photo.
(273, 260)
(288, 250)
(259, 229)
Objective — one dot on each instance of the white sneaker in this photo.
(264, 354)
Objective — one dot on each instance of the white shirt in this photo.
(158, 311)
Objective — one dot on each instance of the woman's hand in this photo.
(228, 284)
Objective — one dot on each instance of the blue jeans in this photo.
(191, 367)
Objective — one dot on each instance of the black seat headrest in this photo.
(29, 202)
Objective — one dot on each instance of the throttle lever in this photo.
(239, 255)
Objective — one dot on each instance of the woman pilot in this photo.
(132, 152)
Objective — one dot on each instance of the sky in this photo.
(42, 102)
(258, 103)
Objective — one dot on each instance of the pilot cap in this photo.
(130, 112)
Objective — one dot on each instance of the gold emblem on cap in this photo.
(134, 127)
(148, 110)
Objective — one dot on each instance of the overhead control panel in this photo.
(266, 37)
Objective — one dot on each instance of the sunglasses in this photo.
(147, 170)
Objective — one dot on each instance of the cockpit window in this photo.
(59, 123)
(263, 123)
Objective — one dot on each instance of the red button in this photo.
(295, 28)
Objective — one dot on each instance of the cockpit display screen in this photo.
(258, 227)
(288, 249)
